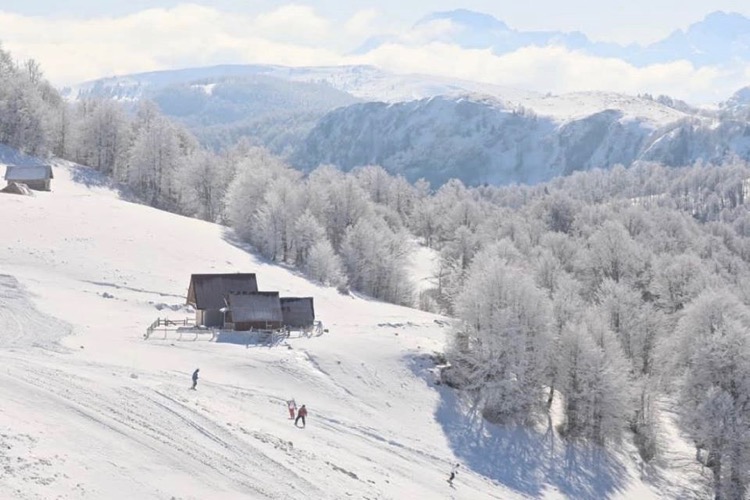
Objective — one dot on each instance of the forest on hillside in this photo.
(609, 289)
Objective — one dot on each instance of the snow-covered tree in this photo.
(324, 266)
(593, 377)
(204, 179)
(274, 220)
(256, 170)
(103, 138)
(501, 347)
(713, 353)
(307, 232)
(375, 260)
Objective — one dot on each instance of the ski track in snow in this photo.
(188, 438)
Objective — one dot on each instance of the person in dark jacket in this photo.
(454, 471)
(301, 414)
(195, 378)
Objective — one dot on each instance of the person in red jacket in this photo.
(301, 414)
(292, 405)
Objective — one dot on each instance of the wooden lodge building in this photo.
(233, 302)
(207, 294)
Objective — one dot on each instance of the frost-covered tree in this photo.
(204, 180)
(157, 153)
(256, 170)
(375, 258)
(307, 232)
(274, 221)
(677, 280)
(612, 254)
(29, 107)
(324, 266)
(103, 138)
(593, 377)
(337, 201)
(713, 354)
(501, 347)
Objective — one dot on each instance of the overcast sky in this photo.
(77, 40)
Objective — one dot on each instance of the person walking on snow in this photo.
(301, 414)
(454, 471)
(292, 405)
(195, 378)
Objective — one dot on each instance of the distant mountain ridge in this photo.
(480, 140)
(430, 127)
(720, 38)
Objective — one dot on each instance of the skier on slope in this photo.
(195, 378)
(301, 414)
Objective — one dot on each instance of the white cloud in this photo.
(363, 24)
(558, 70)
(73, 50)
(292, 23)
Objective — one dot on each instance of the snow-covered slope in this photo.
(363, 82)
(92, 410)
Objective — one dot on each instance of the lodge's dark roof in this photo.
(208, 291)
(297, 311)
(35, 173)
(253, 307)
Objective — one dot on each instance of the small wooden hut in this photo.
(254, 311)
(38, 177)
(298, 312)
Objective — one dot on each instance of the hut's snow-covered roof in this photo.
(18, 173)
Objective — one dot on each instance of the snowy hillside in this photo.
(363, 82)
(483, 140)
(221, 109)
(92, 410)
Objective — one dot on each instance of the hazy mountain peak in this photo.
(467, 18)
(722, 23)
(740, 99)
(720, 38)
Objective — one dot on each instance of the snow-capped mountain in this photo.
(363, 82)
(739, 102)
(275, 105)
(483, 140)
(720, 38)
(476, 30)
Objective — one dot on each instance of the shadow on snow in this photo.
(523, 459)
